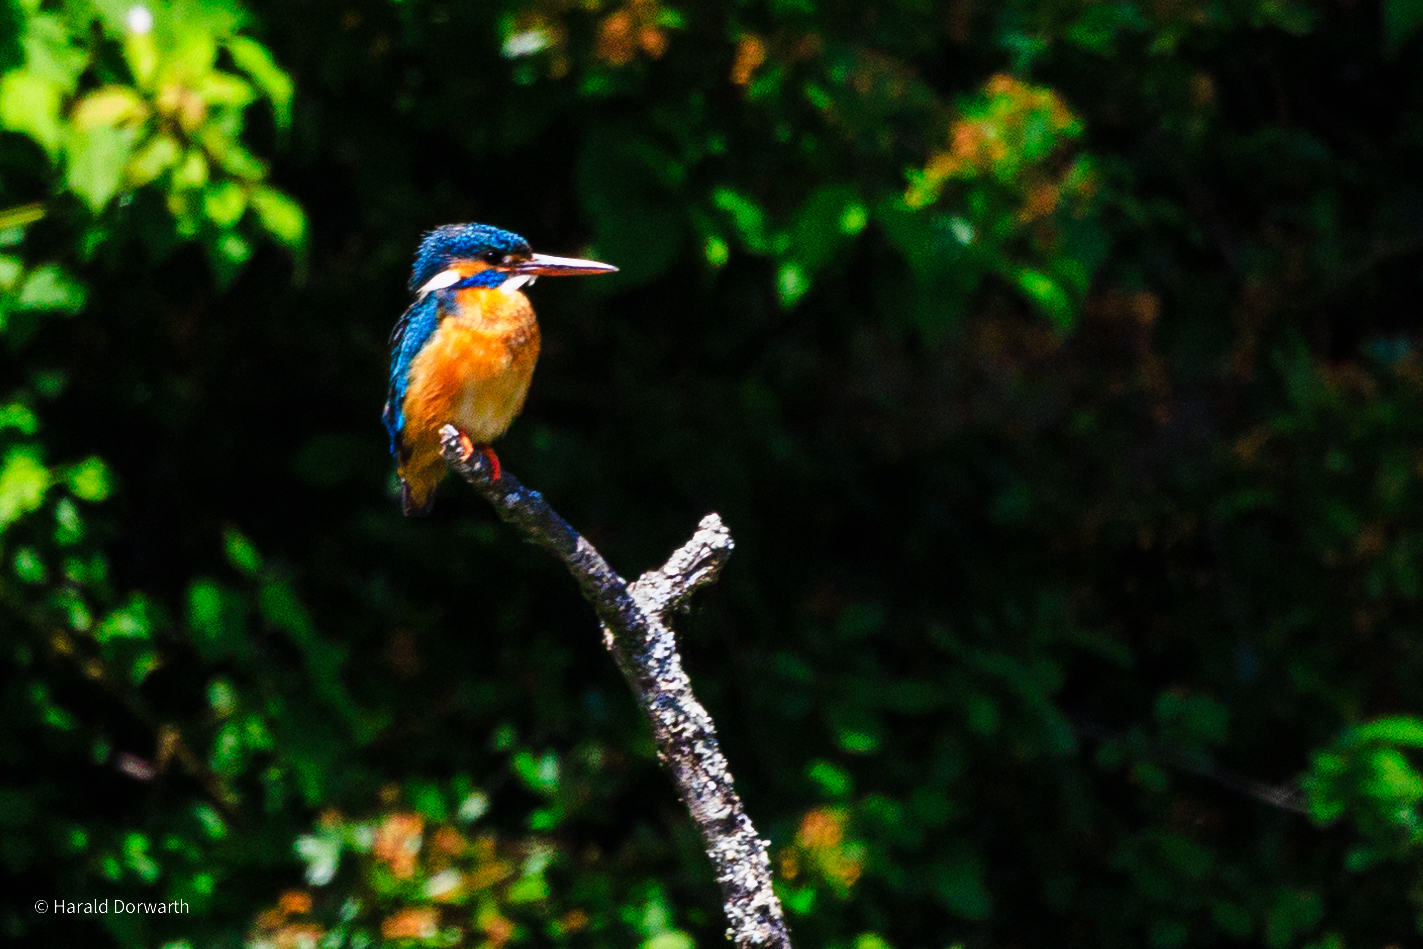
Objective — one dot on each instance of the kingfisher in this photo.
(464, 352)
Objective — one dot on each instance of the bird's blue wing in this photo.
(410, 335)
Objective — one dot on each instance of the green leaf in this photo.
(827, 222)
(29, 103)
(224, 202)
(279, 606)
(216, 620)
(47, 287)
(253, 59)
(240, 552)
(958, 882)
(792, 283)
(1402, 730)
(141, 53)
(28, 566)
(230, 155)
(530, 889)
(20, 418)
(94, 169)
(280, 216)
(90, 480)
(1401, 19)
(747, 218)
(228, 251)
(833, 781)
(50, 52)
(11, 270)
(23, 483)
(133, 620)
(190, 54)
(1392, 777)
(158, 155)
(539, 774)
(670, 939)
(110, 106)
(1048, 296)
(224, 89)
(1292, 912)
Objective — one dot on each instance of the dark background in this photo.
(1053, 364)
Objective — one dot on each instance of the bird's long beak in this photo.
(542, 265)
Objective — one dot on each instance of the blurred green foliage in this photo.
(1055, 365)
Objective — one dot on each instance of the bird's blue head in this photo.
(451, 245)
(477, 255)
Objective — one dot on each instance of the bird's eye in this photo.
(492, 257)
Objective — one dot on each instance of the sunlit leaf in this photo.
(18, 417)
(152, 159)
(223, 203)
(253, 59)
(96, 157)
(670, 939)
(29, 103)
(50, 52)
(23, 482)
(191, 56)
(230, 156)
(1393, 776)
(109, 106)
(192, 172)
(220, 88)
(280, 216)
(1402, 730)
(90, 480)
(28, 566)
(134, 620)
(48, 287)
(747, 218)
(792, 283)
(141, 53)
(1048, 296)
(14, 220)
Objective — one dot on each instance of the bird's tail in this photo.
(415, 505)
(419, 477)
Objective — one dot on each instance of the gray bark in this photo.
(636, 631)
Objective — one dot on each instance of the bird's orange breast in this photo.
(473, 373)
(476, 368)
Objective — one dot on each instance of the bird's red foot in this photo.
(468, 448)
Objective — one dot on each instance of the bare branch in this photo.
(635, 631)
(695, 564)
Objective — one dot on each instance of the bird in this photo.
(464, 352)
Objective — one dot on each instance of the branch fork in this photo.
(637, 633)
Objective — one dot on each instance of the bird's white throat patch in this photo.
(441, 280)
(448, 278)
